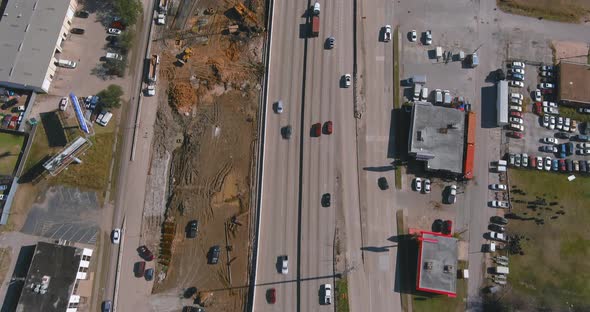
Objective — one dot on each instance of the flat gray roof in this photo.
(437, 136)
(29, 30)
(55, 267)
(502, 107)
(438, 264)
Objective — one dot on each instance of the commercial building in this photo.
(437, 263)
(31, 33)
(502, 103)
(574, 84)
(437, 137)
(54, 277)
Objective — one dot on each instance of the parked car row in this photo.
(516, 73)
(426, 36)
(549, 164)
(420, 185)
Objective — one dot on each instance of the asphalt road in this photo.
(297, 171)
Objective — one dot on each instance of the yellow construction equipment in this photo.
(245, 13)
(185, 55)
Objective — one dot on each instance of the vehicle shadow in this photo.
(379, 168)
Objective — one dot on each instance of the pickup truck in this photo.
(327, 293)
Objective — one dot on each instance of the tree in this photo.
(128, 10)
(115, 67)
(125, 40)
(111, 96)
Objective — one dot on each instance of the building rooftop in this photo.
(437, 136)
(574, 82)
(29, 30)
(53, 270)
(437, 264)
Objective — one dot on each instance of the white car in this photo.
(517, 70)
(516, 120)
(583, 151)
(499, 204)
(428, 39)
(116, 236)
(347, 80)
(452, 198)
(546, 85)
(546, 121)
(583, 145)
(549, 104)
(546, 74)
(284, 265)
(426, 186)
(517, 96)
(550, 110)
(567, 121)
(279, 107)
(418, 184)
(525, 160)
(63, 103)
(539, 163)
(516, 84)
(114, 31)
(497, 236)
(550, 140)
(498, 187)
(547, 68)
(518, 64)
(516, 127)
(547, 163)
(516, 101)
(537, 95)
(552, 122)
(515, 108)
(387, 34)
(413, 35)
(582, 110)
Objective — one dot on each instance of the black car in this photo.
(499, 220)
(447, 227)
(149, 274)
(192, 229)
(382, 182)
(562, 135)
(583, 166)
(82, 14)
(569, 164)
(496, 228)
(326, 199)
(330, 42)
(77, 31)
(214, 254)
(286, 131)
(437, 226)
(145, 253)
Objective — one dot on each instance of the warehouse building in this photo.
(32, 32)
(574, 84)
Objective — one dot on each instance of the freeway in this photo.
(297, 171)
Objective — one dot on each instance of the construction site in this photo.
(204, 149)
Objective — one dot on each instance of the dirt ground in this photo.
(571, 51)
(209, 126)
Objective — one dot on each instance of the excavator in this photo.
(185, 56)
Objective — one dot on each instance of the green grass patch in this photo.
(342, 292)
(39, 148)
(396, 51)
(570, 11)
(398, 178)
(441, 303)
(554, 268)
(10, 148)
(573, 114)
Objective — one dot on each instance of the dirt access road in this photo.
(206, 131)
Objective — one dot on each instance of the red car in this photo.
(145, 253)
(516, 114)
(532, 161)
(538, 109)
(561, 165)
(447, 227)
(271, 296)
(316, 129)
(516, 135)
(328, 127)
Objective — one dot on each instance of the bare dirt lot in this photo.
(208, 124)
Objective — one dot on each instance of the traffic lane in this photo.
(281, 164)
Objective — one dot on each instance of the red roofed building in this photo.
(437, 263)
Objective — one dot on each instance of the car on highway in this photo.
(284, 260)
(145, 253)
(192, 229)
(139, 268)
(347, 79)
(107, 305)
(326, 291)
(516, 84)
(116, 236)
(387, 33)
(328, 127)
(413, 35)
(539, 163)
(330, 42)
(279, 106)
(499, 204)
(498, 187)
(496, 228)
(149, 274)
(326, 200)
(382, 183)
(447, 227)
(518, 65)
(214, 252)
(316, 129)
(426, 186)
(286, 131)
(428, 37)
(546, 85)
(418, 184)
(499, 220)
(114, 31)
(271, 296)
(537, 95)
(547, 166)
(452, 194)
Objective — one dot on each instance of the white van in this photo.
(66, 63)
(104, 121)
(316, 8)
(417, 90)
(424, 94)
(114, 56)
